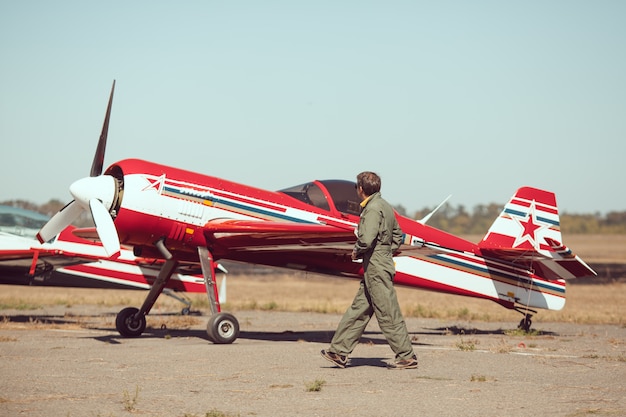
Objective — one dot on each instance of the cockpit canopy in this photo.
(339, 194)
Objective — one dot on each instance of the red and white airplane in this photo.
(182, 216)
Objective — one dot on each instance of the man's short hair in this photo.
(369, 182)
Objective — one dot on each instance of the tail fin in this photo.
(528, 230)
(529, 217)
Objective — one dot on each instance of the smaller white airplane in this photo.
(70, 261)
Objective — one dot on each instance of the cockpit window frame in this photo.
(340, 196)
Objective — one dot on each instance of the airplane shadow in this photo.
(43, 319)
(73, 319)
(455, 330)
(322, 336)
(317, 336)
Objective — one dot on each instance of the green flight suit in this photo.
(378, 237)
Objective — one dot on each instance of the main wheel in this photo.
(129, 326)
(223, 328)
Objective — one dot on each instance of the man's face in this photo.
(360, 193)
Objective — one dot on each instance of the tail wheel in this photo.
(128, 325)
(223, 328)
(525, 324)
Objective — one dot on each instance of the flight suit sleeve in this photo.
(367, 231)
(397, 237)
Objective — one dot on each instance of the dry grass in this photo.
(586, 303)
(307, 292)
(598, 248)
(310, 292)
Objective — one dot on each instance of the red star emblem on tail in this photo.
(529, 228)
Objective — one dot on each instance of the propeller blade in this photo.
(98, 159)
(59, 221)
(103, 188)
(105, 227)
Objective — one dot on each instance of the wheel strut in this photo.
(131, 321)
(526, 322)
(222, 328)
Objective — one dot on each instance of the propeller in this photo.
(96, 194)
(98, 158)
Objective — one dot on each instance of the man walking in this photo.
(378, 237)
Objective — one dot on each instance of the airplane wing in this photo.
(246, 234)
(303, 246)
(249, 235)
(88, 264)
(23, 252)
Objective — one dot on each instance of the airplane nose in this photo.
(101, 188)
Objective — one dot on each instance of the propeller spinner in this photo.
(97, 194)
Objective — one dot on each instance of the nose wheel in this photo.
(131, 322)
(128, 324)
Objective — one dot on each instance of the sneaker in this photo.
(404, 364)
(339, 360)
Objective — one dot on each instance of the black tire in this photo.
(525, 324)
(127, 325)
(223, 328)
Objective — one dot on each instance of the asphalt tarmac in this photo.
(75, 364)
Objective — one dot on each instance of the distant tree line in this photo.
(49, 208)
(460, 221)
(457, 220)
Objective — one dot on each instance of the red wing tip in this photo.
(40, 239)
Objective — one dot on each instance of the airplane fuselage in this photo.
(164, 202)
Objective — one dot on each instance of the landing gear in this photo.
(525, 323)
(129, 324)
(223, 328)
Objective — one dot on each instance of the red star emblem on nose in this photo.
(155, 184)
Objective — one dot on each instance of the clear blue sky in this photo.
(473, 99)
